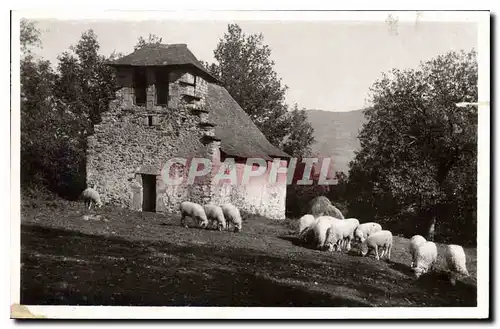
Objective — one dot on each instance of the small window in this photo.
(151, 120)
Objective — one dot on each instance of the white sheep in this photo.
(425, 258)
(364, 230)
(319, 229)
(214, 214)
(353, 224)
(381, 240)
(415, 241)
(233, 216)
(456, 261)
(305, 223)
(195, 211)
(90, 195)
(338, 232)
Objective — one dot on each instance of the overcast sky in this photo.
(326, 65)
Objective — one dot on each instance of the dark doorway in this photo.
(149, 193)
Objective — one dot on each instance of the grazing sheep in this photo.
(365, 230)
(321, 206)
(353, 224)
(194, 211)
(456, 262)
(308, 237)
(215, 215)
(381, 240)
(90, 195)
(305, 222)
(232, 215)
(318, 231)
(415, 241)
(338, 233)
(426, 257)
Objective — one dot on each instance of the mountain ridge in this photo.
(336, 135)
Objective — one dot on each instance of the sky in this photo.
(326, 65)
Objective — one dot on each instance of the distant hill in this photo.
(336, 135)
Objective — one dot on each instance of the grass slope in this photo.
(147, 259)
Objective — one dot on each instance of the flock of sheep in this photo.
(212, 216)
(207, 216)
(326, 229)
(335, 234)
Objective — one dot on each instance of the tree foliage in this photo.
(29, 36)
(300, 138)
(245, 68)
(418, 149)
(85, 84)
(58, 111)
(153, 39)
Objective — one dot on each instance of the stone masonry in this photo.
(135, 141)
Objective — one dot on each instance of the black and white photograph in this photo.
(250, 165)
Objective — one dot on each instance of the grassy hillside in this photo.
(336, 135)
(134, 258)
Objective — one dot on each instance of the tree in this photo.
(37, 118)
(245, 68)
(298, 144)
(29, 36)
(40, 121)
(153, 39)
(84, 88)
(299, 140)
(418, 149)
(58, 111)
(86, 84)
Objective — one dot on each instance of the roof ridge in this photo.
(164, 45)
(159, 54)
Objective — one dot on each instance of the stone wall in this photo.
(124, 145)
(258, 196)
(134, 140)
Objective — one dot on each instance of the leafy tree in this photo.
(84, 88)
(418, 149)
(245, 68)
(37, 118)
(29, 36)
(299, 140)
(58, 111)
(152, 39)
(85, 84)
(298, 144)
(42, 124)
